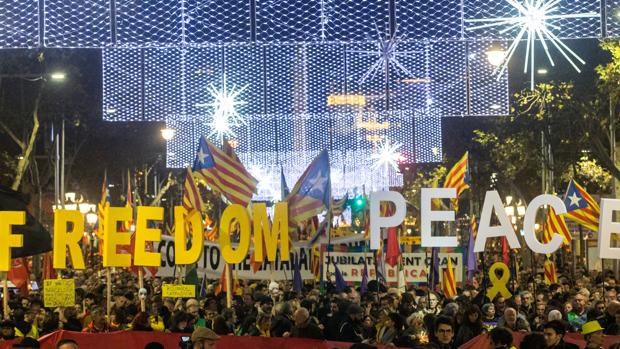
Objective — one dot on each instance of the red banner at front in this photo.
(483, 342)
(137, 340)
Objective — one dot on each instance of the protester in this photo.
(533, 341)
(203, 338)
(593, 334)
(444, 333)
(67, 344)
(501, 338)
(304, 327)
(27, 343)
(554, 332)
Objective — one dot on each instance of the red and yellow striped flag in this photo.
(224, 173)
(551, 277)
(555, 224)
(448, 281)
(191, 193)
(458, 178)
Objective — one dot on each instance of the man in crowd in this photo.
(593, 334)
(204, 338)
(444, 333)
(66, 344)
(578, 316)
(554, 335)
(513, 321)
(304, 327)
(351, 329)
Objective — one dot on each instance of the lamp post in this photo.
(91, 220)
(496, 55)
(515, 212)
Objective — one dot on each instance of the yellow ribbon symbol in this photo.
(499, 284)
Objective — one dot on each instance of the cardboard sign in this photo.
(59, 293)
(178, 291)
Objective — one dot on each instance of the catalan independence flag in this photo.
(551, 276)
(448, 281)
(458, 178)
(555, 224)
(191, 193)
(224, 173)
(312, 192)
(581, 207)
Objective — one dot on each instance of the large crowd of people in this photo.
(411, 318)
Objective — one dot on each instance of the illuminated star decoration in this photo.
(387, 54)
(534, 17)
(387, 155)
(225, 115)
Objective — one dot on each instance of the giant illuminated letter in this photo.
(270, 236)
(68, 240)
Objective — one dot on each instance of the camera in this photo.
(185, 342)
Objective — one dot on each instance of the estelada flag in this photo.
(20, 275)
(36, 239)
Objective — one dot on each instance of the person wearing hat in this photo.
(593, 334)
(351, 328)
(7, 330)
(27, 343)
(204, 338)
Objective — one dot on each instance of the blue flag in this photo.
(364, 286)
(297, 283)
(284, 191)
(340, 283)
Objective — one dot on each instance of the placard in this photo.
(178, 291)
(59, 293)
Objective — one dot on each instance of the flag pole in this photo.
(141, 286)
(228, 286)
(108, 291)
(5, 296)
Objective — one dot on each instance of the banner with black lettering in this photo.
(211, 263)
(415, 265)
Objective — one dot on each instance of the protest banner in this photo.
(178, 291)
(59, 293)
(415, 265)
(211, 264)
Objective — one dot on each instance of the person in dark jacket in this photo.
(472, 325)
(304, 327)
(444, 333)
(351, 329)
(282, 322)
(554, 335)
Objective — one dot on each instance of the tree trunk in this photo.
(24, 159)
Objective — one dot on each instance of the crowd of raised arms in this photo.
(412, 318)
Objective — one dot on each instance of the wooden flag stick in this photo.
(229, 289)
(141, 286)
(108, 276)
(5, 296)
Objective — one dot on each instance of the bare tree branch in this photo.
(23, 161)
(170, 181)
(12, 135)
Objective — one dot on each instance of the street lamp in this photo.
(58, 76)
(91, 220)
(496, 55)
(167, 133)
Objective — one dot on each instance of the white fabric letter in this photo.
(429, 216)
